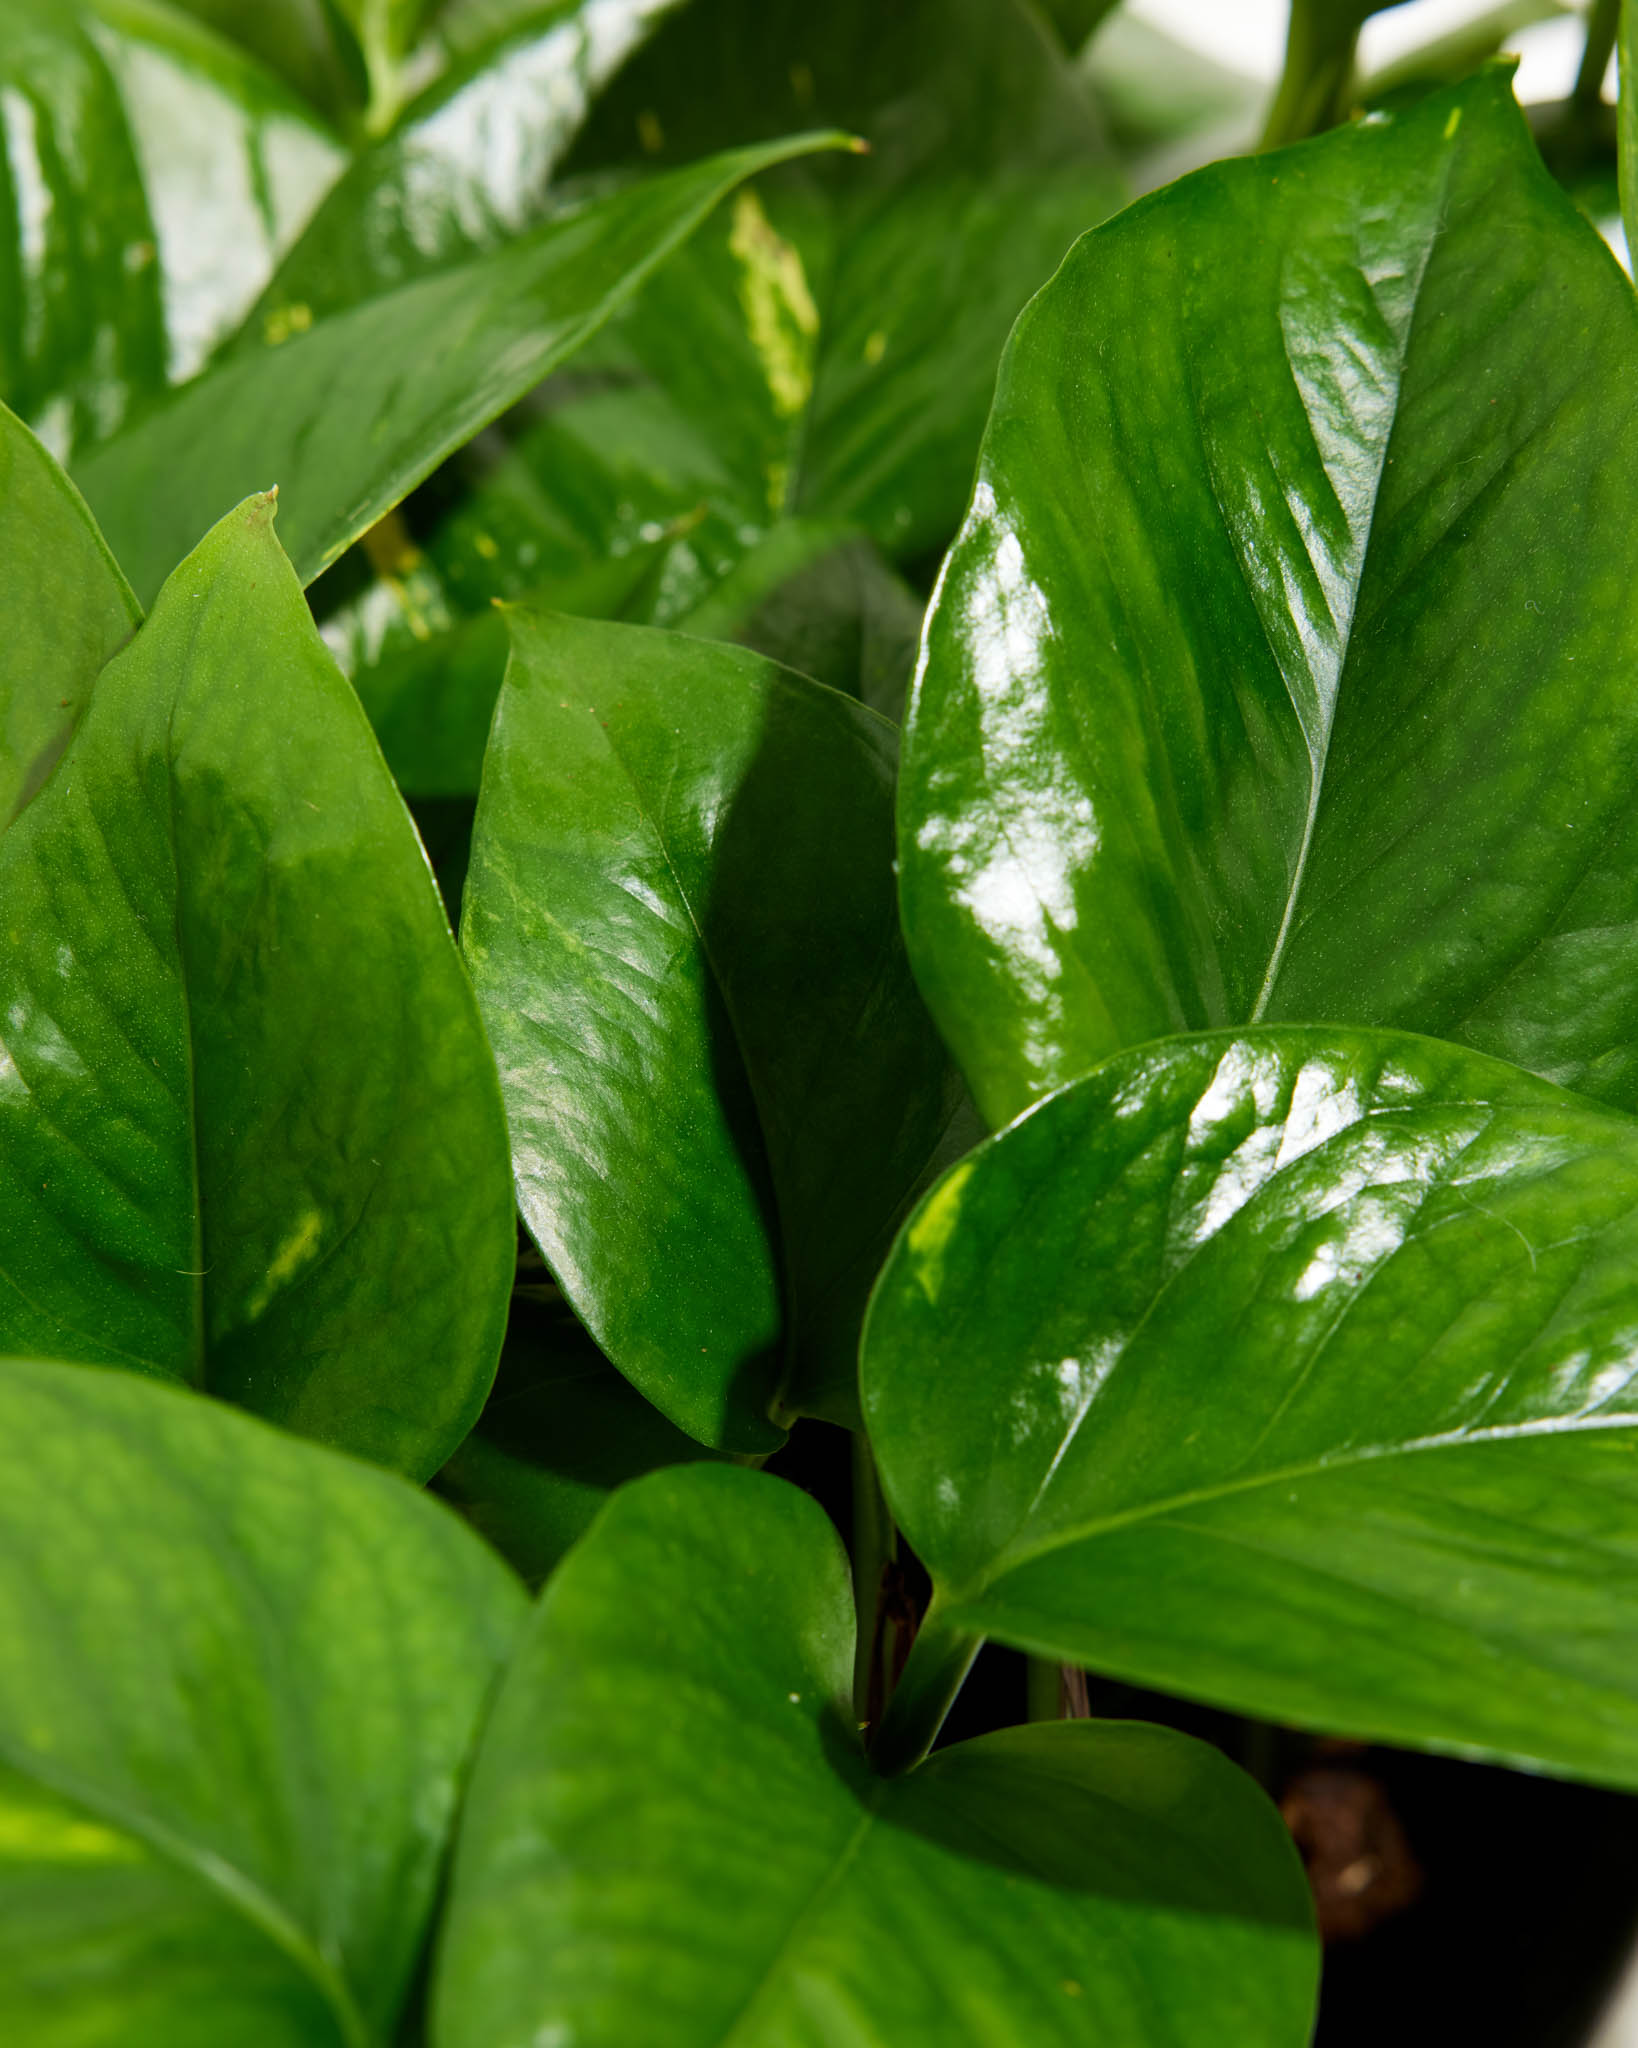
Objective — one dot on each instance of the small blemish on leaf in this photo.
(649, 132)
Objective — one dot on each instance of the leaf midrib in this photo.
(1320, 1467)
(1319, 764)
(218, 1876)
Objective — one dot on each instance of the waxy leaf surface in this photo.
(349, 414)
(1283, 667)
(673, 1835)
(821, 353)
(721, 1084)
(1294, 1371)
(151, 176)
(64, 609)
(239, 1681)
(250, 1131)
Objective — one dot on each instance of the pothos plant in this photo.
(1257, 867)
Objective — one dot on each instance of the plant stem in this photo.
(875, 1547)
(939, 1660)
(1044, 1689)
(1595, 58)
(1319, 61)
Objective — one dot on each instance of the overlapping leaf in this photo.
(560, 1431)
(250, 1133)
(665, 1842)
(1293, 1371)
(151, 176)
(64, 609)
(822, 351)
(1283, 666)
(239, 1681)
(351, 413)
(721, 1084)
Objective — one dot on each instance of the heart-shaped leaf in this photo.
(250, 1126)
(1294, 1371)
(672, 1833)
(721, 1084)
(1283, 667)
(239, 1680)
(64, 609)
(348, 414)
(155, 175)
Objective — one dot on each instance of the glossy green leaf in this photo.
(720, 1081)
(239, 1681)
(835, 343)
(1293, 1371)
(467, 166)
(349, 414)
(64, 609)
(560, 1431)
(249, 1124)
(672, 1833)
(1283, 666)
(151, 176)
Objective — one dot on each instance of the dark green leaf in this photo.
(1283, 666)
(249, 1124)
(720, 1081)
(561, 1430)
(64, 609)
(346, 416)
(1293, 1371)
(150, 178)
(241, 1677)
(672, 1834)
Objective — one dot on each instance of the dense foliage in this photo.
(1175, 1104)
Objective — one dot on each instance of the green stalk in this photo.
(1044, 1689)
(1595, 58)
(939, 1660)
(875, 1547)
(1320, 45)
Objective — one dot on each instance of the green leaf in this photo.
(1282, 667)
(560, 1431)
(250, 1126)
(467, 166)
(350, 414)
(240, 1681)
(1293, 1371)
(831, 344)
(64, 609)
(720, 1081)
(150, 178)
(672, 1833)
(299, 40)
(384, 30)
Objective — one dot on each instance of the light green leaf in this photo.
(348, 415)
(673, 1835)
(250, 1128)
(721, 1084)
(64, 609)
(1282, 669)
(151, 176)
(1293, 1371)
(239, 1681)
